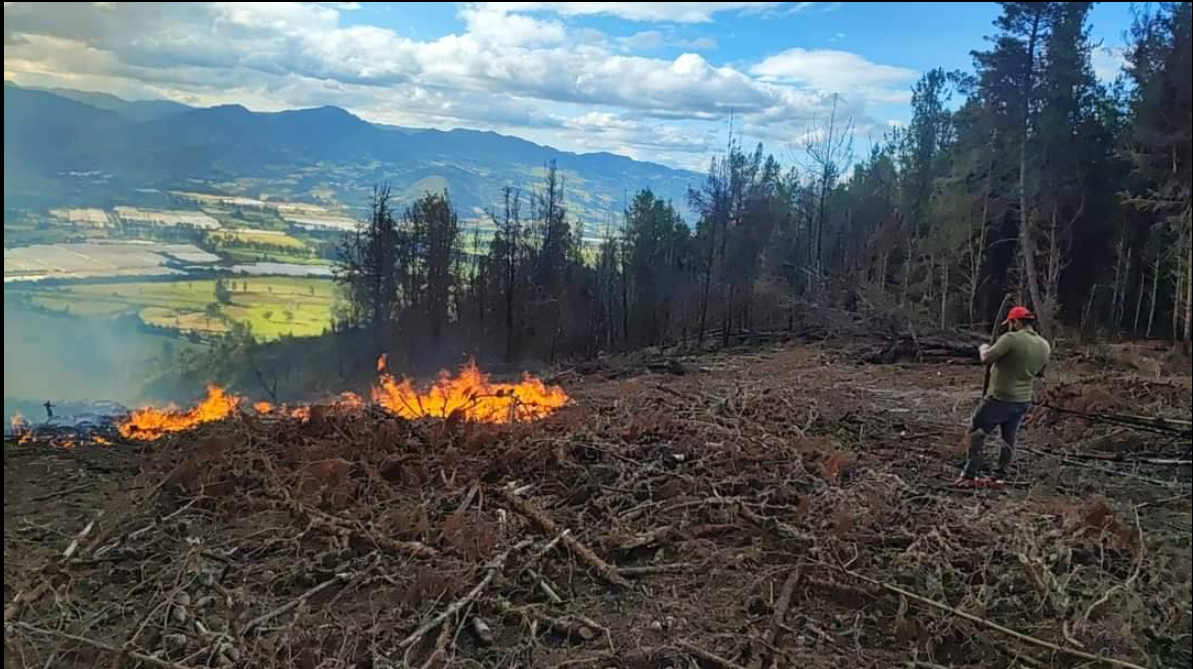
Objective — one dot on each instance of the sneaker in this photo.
(1000, 479)
(968, 483)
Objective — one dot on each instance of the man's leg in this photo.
(1010, 433)
(981, 426)
(975, 461)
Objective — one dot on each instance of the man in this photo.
(1016, 360)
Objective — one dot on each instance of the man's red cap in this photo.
(1018, 313)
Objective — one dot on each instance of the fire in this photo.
(348, 400)
(96, 439)
(152, 423)
(262, 407)
(17, 423)
(471, 396)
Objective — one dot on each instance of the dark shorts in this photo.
(1005, 416)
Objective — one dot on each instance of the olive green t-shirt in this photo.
(1017, 359)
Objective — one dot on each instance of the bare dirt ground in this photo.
(784, 507)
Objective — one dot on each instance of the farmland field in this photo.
(271, 306)
(262, 237)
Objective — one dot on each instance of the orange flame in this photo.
(348, 400)
(17, 423)
(262, 407)
(152, 423)
(101, 440)
(471, 396)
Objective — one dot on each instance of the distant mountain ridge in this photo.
(50, 135)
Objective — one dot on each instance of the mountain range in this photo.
(75, 147)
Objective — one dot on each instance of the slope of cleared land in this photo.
(777, 508)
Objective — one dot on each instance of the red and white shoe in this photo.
(970, 483)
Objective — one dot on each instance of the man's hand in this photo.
(983, 350)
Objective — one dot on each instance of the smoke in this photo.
(65, 359)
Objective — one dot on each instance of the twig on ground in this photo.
(785, 594)
(585, 630)
(56, 494)
(491, 570)
(1130, 580)
(342, 576)
(1039, 643)
(707, 656)
(1165, 500)
(777, 526)
(441, 642)
(24, 599)
(650, 569)
(1104, 470)
(544, 522)
(147, 660)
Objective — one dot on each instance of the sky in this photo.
(657, 81)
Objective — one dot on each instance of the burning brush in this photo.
(469, 396)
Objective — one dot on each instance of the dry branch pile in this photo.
(735, 520)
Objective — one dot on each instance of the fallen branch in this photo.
(777, 526)
(341, 527)
(1025, 638)
(1104, 470)
(440, 653)
(564, 626)
(491, 570)
(23, 599)
(80, 537)
(651, 569)
(340, 577)
(55, 495)
(781, 606)
(18, 604)
(144, 659)
(544, 522)
(1166, 500)
(707, 656)
(1142, 552)
(542, 552)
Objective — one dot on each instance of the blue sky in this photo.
(655, 81)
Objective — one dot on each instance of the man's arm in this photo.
(991, 354)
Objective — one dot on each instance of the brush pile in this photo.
(768, 511)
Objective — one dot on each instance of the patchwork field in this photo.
(272, 306)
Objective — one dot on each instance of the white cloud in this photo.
(1108, 62)
(677, 12)
(650, 40)
(818, 7)
(512, 71)
(499, 27)
(829, 70)
(645, 40)
(698, 44)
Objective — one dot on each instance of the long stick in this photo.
(492, 569)
(707, 656)
(524, 507)
(1040, 643)
(148, 660)
(1104, 470)
(784, 603)
(342, 577)
(994, 337)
